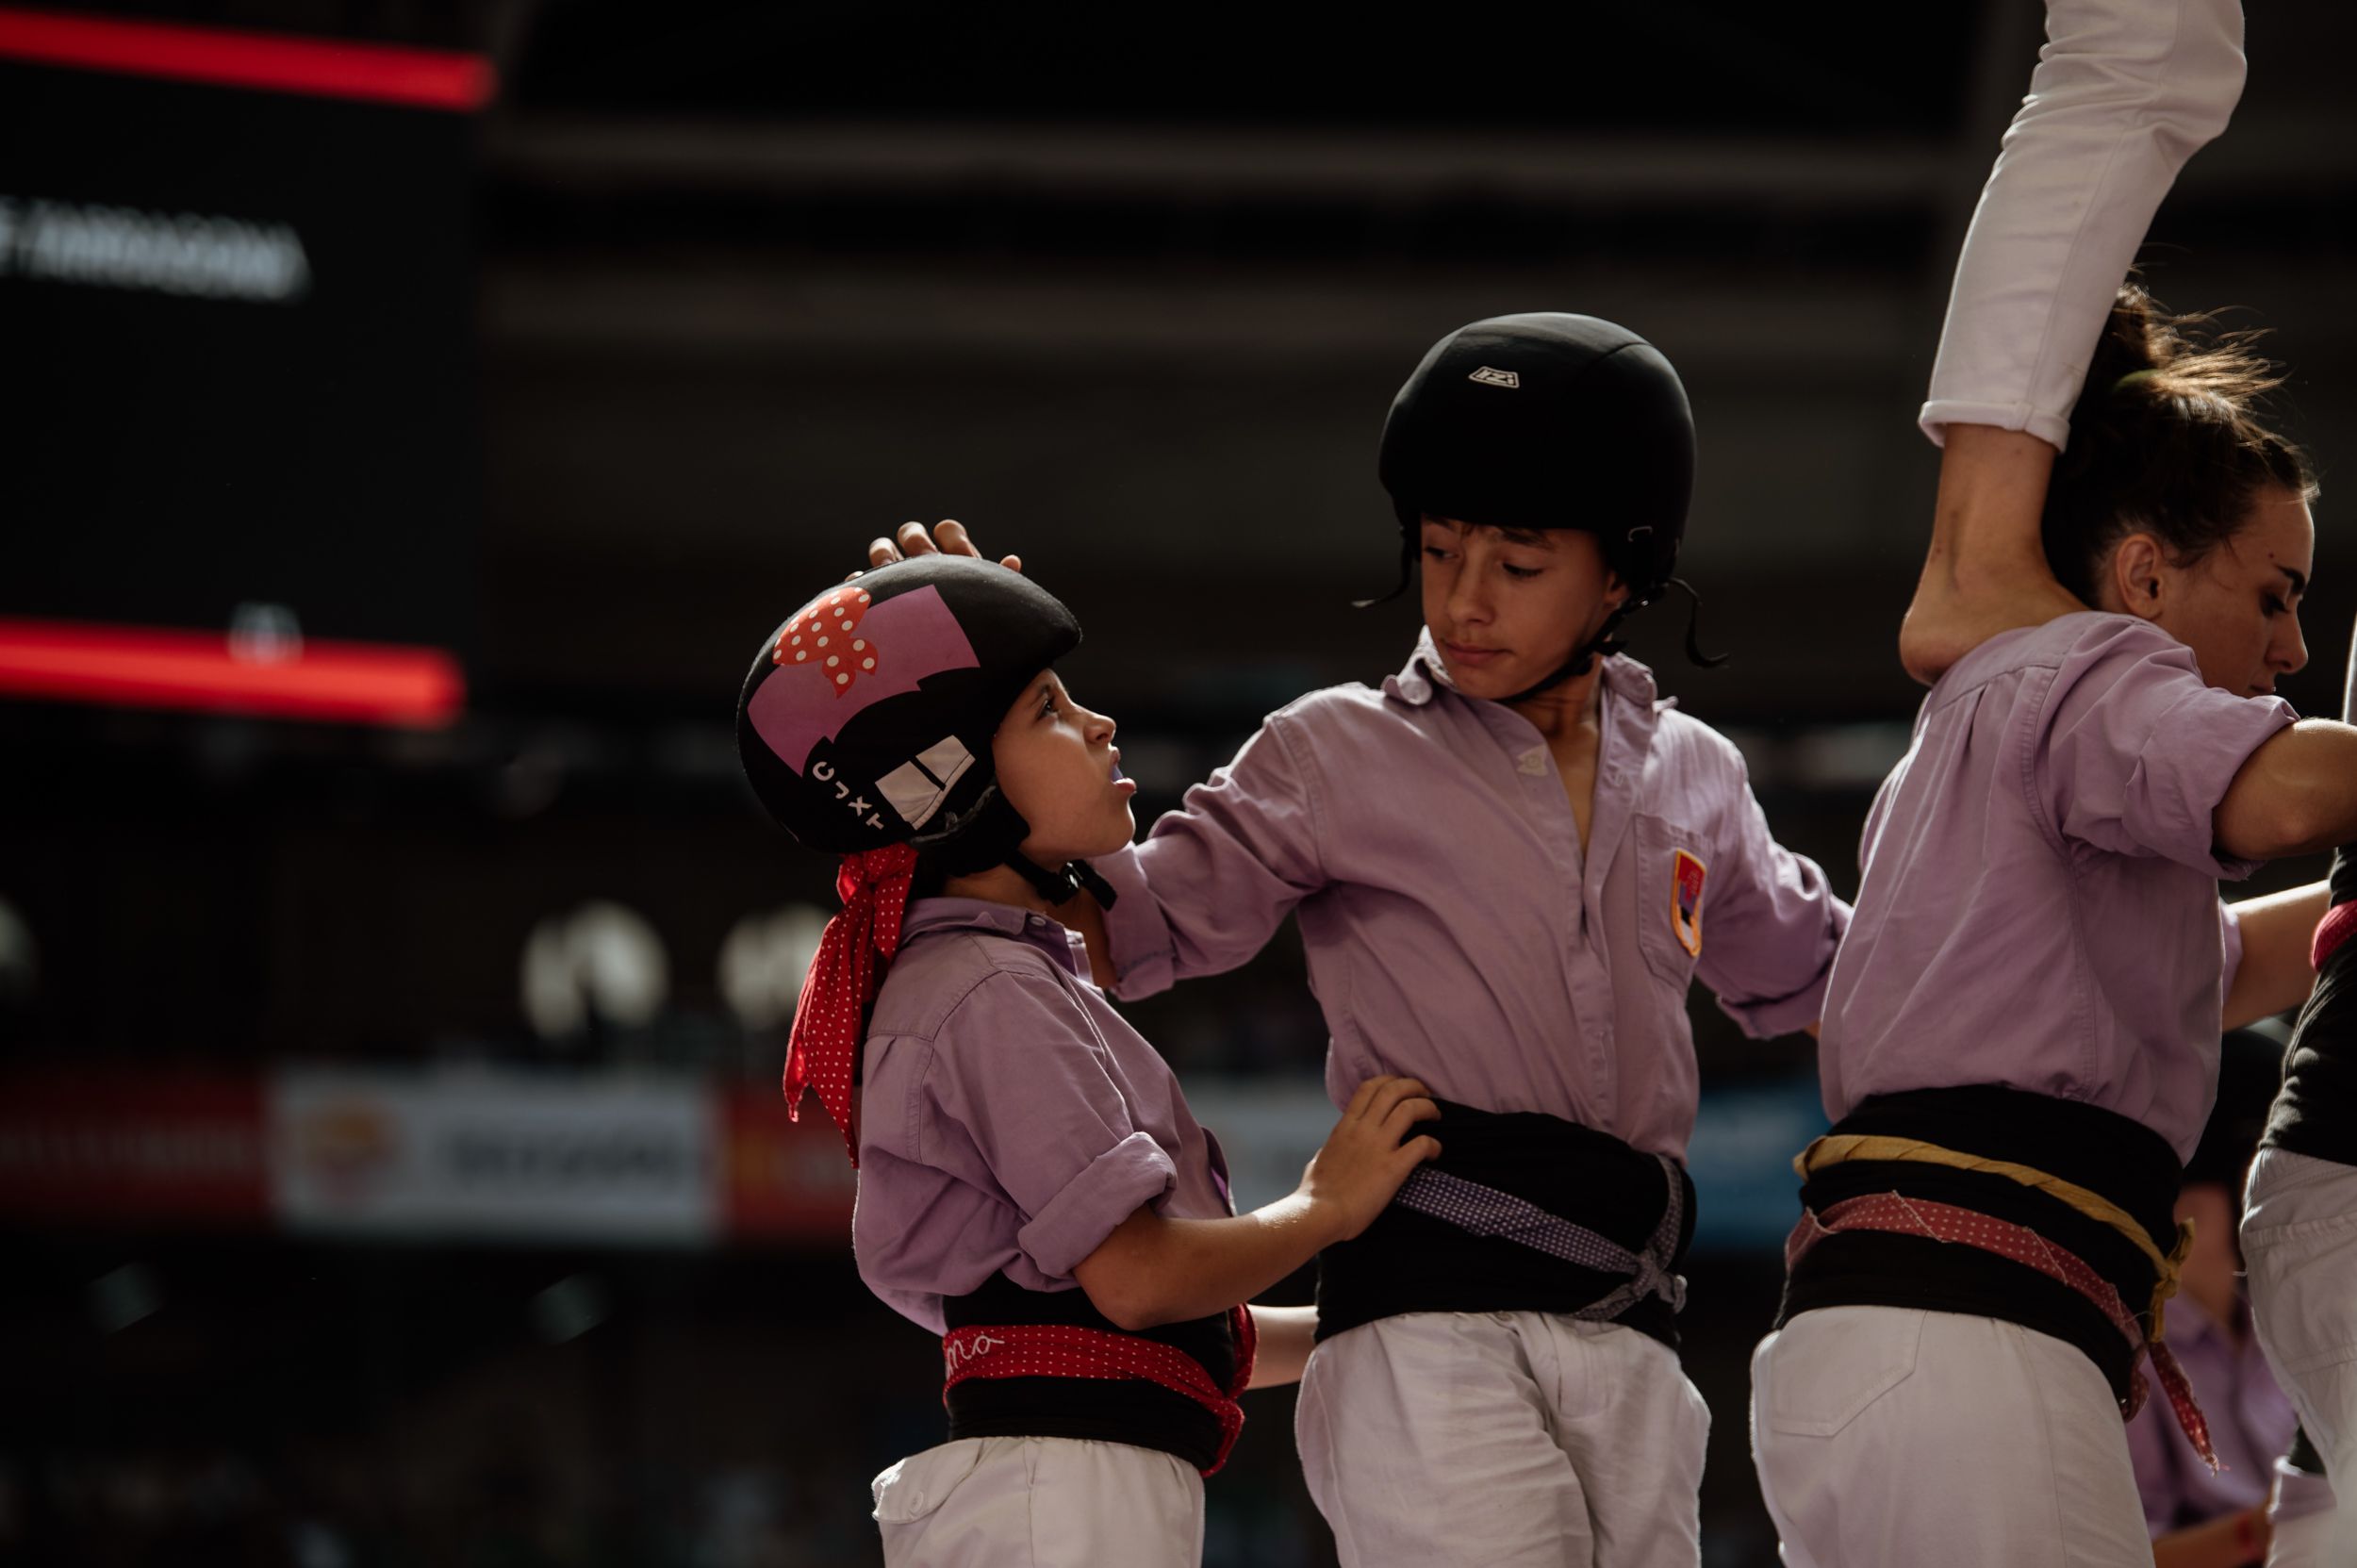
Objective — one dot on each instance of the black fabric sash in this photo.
(2107, 1153)
(1125, 1410)
(1412, 1262)
(2315, 1114)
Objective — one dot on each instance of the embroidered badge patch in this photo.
(1686, 906)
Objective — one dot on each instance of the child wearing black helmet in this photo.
(1507, 864)
(1032, 1188)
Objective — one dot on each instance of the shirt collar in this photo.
(1050, 936)
(1420, 676)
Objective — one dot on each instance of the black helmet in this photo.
(867, 717)
(1548, 421)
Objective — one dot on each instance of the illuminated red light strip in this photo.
(145, 666)
(372, 72)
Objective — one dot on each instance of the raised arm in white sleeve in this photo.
(2124, 93)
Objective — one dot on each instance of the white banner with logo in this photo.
(477, 1153)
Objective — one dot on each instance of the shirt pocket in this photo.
(1671, 896)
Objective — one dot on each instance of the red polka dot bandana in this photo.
(1066, 1351)
(1947, 1222)
(844, 975)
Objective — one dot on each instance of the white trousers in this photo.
(1500, 1439)
(1891, 1437)
(2302, 1513)
(1039, 1502)
(2299, 1250)
(2124, 93)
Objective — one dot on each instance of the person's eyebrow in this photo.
(2300, 583)
(1536, 537)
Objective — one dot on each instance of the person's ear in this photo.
(1616, 589)
(2138, 575)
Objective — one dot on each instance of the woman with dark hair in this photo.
(2020, 1035)
(2124, 93)
(2021, 1038)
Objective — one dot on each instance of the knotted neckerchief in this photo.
(844, 975)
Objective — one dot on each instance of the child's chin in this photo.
(1112, 839)
(1491, 681)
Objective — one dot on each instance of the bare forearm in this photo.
(1985, 572)
(1288, 1334)
(2297, 795)
(2274, 973)
(1153, 1270)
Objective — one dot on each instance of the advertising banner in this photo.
(784, 1179)
(237, 290)
(477, 1154)
(130, 1149)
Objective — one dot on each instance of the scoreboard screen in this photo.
(236, 340)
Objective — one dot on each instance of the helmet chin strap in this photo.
(1062, 888)
(990, 833)
(1603, 645)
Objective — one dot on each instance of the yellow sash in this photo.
(1834, 1150)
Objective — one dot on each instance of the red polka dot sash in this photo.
(1068, 1350)
(844, 975)
(1914, 1216)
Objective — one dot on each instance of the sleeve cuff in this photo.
(1077, 1220)
(2193, 789)
(1940, 413)
(1145, 961)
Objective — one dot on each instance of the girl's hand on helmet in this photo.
(947, 537)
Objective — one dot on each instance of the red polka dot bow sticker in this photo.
(824, 637)
(844, 975)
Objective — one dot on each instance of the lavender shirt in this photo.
(1009, 1118)
(2039, 905)
(2252, 1421)
(1455, 929)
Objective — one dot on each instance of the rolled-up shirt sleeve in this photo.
(1215, 879)
(2124, 93)
(1087, 1208)
(1032, 1093)
(2137, 749)
(1773, 926)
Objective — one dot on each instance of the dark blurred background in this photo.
(415, 415)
